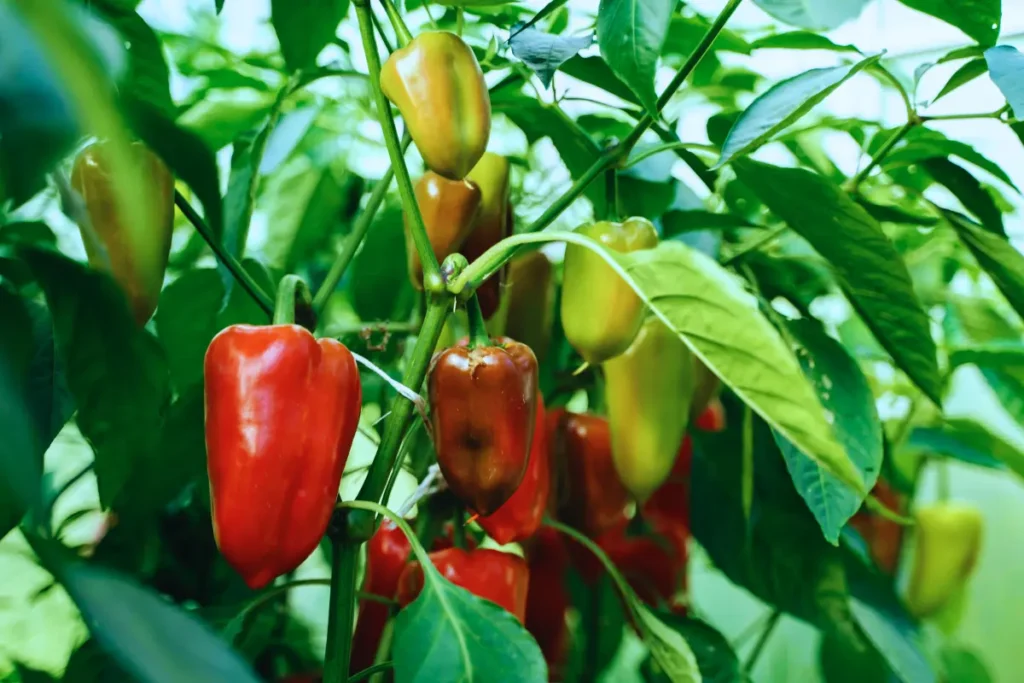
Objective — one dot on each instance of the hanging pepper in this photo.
(493, 223)
(531, 296)
(137, 254)
(502, 578)
(648, 390)
(437, 85)
(449, 209)
(281, 413)
(884, 537)
(947, 543)
(594, 498)
(547, 600)
(672, 499)
(483, 406)
(520, 517)
(601, 314)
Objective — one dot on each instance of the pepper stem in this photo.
(292, 296)
(477, 328)
(401, 30)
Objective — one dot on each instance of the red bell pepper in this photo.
(521, 515)
(387, 553)
(483, 406)
(594, 497)
(547, 600)
(281, 412)
(712, 418)
(502, 578)
(883, 536)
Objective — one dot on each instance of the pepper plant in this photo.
(394, 304)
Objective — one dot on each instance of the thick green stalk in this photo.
(343, 604)
(432, 281)
(401, 30)
(477, 327)
(291, 294)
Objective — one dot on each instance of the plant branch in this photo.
(755, 654)
(366, 673)
(894, 140)
(355, 238)
(955, 117)
(666, 147)
(432, 281)
(344, 559)
(904, 95)
(402, 32)
(754, 245)
(230, 262)
(616, 153)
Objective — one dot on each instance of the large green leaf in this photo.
(379, 281)
(814, 15)
(596, 71)
(449, 634)
(685, 33)
(894, 641)
(1006, 65)
(970, 441)
(117, 372)
(1003, 263)
(979, 19)
(868, 267)
(715, 657)
(924, 143)
(305, 28)
(148, 78)
(962, 76)
(968, 190)
(630, 34)
(668, 647)
(782, 105)
(800, 40)
(132, 624)
(847, 397)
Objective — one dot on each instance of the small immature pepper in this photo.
(947, 543)
(648, 390)
(437, 85)
(502, 578)
(281, 412)
(137, 253)
(483, 407)
(594, 498)
(521, 515)
(493, 223)
(531, 297)
(601, 314)
(449, 209)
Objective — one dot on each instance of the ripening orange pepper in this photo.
(449, 209)
(492, 224)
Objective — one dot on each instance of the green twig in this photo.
(755, 654)
(893, 140)
(431, 270)
(230, 262)
(402, 32)
(666, 147)
(366, 673)
(754, 245)
(342, 609)
(477, 327)
(955, 117)
(904, 95)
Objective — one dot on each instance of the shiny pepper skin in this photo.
(648, 390)
(483, 406)
(947, 543)
(449, 209)
(493, 223)
(500, 577)
(592, 497)
(531, 298)
(137, 253)
(601, 314)
(672, 499)
(547, 600)
(437, 85)
(521, 515)
(387, 554)
(281, 412)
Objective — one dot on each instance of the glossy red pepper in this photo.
(547, 600)
(521, 515)
(483, 404)
(502, 578)
(387, 554)
(593, 497)
(281, 412)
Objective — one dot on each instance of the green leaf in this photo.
(813, 15)
(716, 658)
(969, 441)
(887, 213)
(34, 232)
(449, 634)
(132, 624)
(979, 19)
(968, 190)
(596, 71)
(963, 666)
(722, 325)
(185, 154)
(867, 266)
(189, 315)
(148, 79)
(379, 282)
(225, 113)
(218, 6)
(1006, 65)
(964, 75)
(895, 641)
(668, 647)
(784, 104)
(685, 33)
(116, 371)
(676, 222)
(847, 397)
(544, 52)
(997, 257)
(305, 28)
(630, 34)
(800, 40)
(925, 143)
